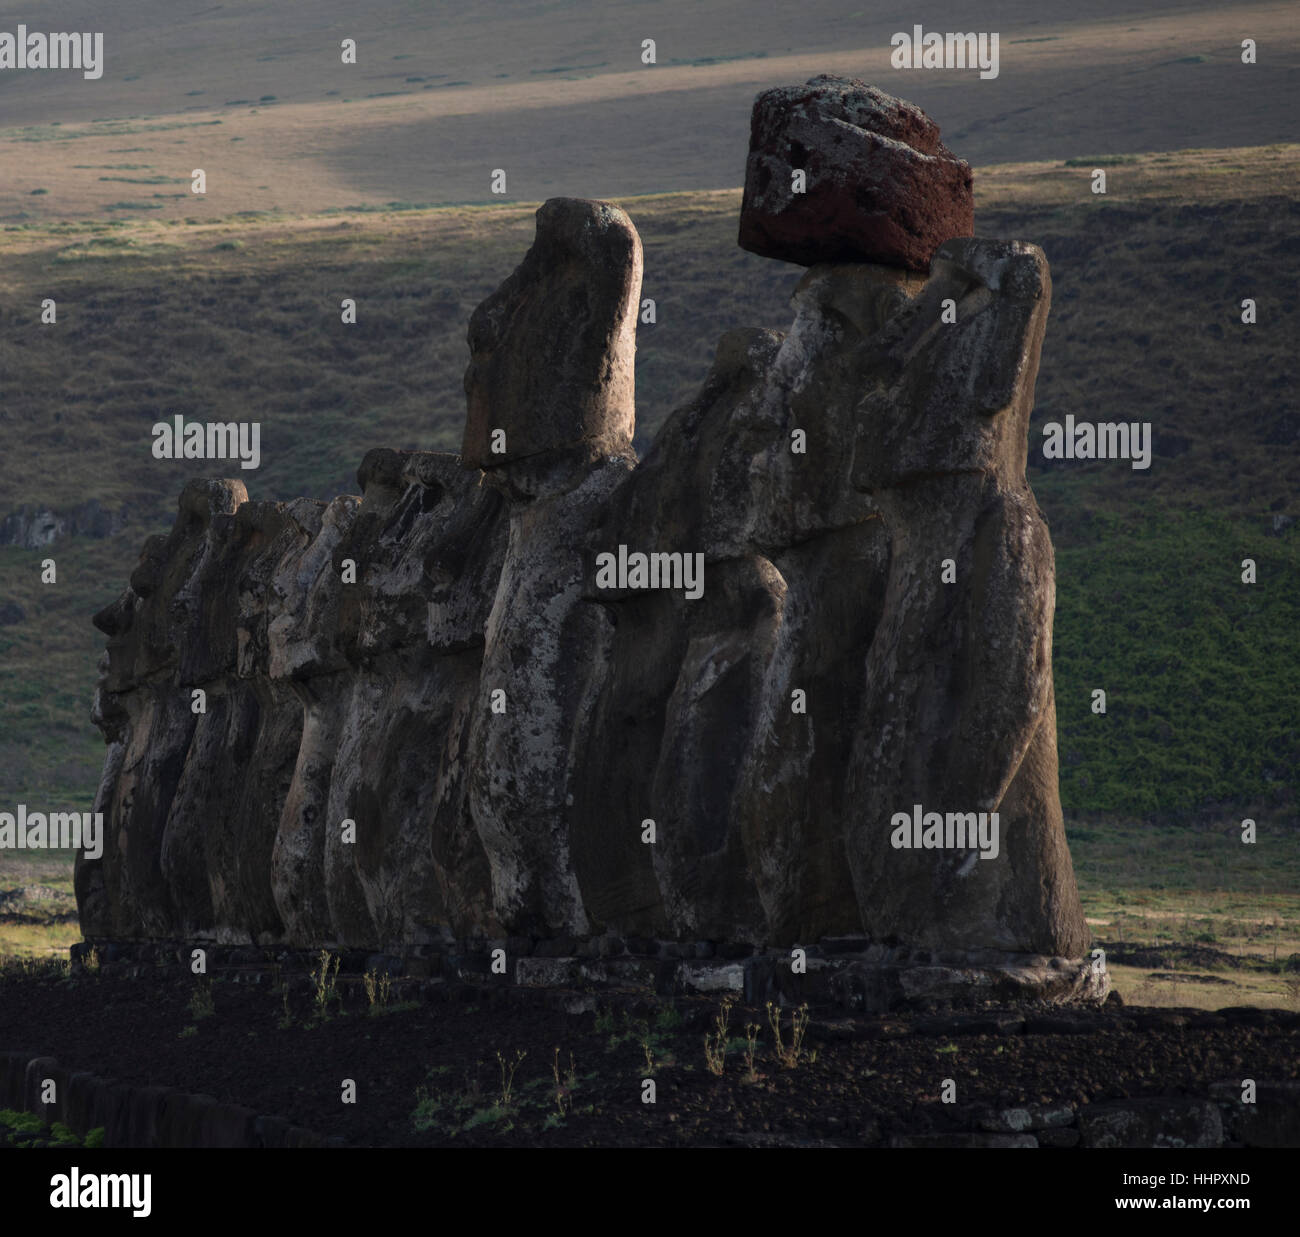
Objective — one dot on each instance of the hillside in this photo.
(239, 319)
(256, 94)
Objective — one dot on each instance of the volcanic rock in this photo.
(880, 185)
(552, 349)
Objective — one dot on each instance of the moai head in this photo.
(266, 532)
(173, 618)
(552, 349)
(965, 359)
(302, 600)
(206, 636)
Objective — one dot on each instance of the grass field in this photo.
(237, 318)
(558, 95)
(37, 908)
(240, 320)
(1192, 916)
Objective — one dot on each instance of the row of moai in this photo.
(436, 710)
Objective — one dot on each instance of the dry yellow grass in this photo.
(560, 99)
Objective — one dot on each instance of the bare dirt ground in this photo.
(506, 1067)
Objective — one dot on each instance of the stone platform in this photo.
(843, 973)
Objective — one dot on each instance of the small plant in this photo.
(508, 1077)
(188, 1032)
(751, 1050)
(668, 1019)
(286, 1015)
(487, 1116)
(563, 1086)
(61, 1136)
(379, 987)
(605, 1021)
(649, 1055)
(26, 1122)
(427, 1108)
(436, 1110)
(451, 1112)
(634, 1031)
(715, 1042)
(325, 982)
(91, 960)
(95, 1137)
(201, 1003)
(789, 1055)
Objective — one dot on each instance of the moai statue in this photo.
(427, 542)
(551, 415)
(168, 634)
(959, 716)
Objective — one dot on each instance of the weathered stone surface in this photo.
(136, 1116)
(434, 713)
(143, 1112)
(1060, 1138)
(37, 1071)
(959, 714)
(1033, 1117)
(1151, 1123)
(956, 1140)
(324, 704)
(553, 348)
(788, 545)
(880, 185)
(552, 365)
(882, 978)
(544, 648)
(1273, 1120)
